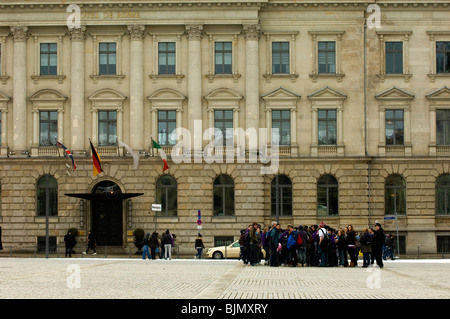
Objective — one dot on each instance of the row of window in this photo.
(223, 58)
(223, 124)
(281, 196)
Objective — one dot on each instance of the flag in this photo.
(133, 154)
(162, 154)
(68, 152)
(96, 161)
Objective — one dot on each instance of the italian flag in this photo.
(162, 154)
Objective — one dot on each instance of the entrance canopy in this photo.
(105, 196)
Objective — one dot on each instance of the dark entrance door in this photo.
(107, 219)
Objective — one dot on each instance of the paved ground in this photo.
(106, 278)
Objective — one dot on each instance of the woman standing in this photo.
(351, 245)
(366, 246)
(199, 246)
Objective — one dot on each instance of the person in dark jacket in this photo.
(274, 235)
(302, 247)
(378, 244)
(154, 244)
(351, 245)
(199, 246)
(168, 244)
(254, 241)
(146, 243)
(366, 247)
(91, 243)
(342, 248)
(70, 241)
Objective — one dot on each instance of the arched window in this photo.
(46, 185)
(281, 188)
(395, 195)
(166, 195)
(223, 196)
(327, 196)
(443, 195)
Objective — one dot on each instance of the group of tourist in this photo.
(315, 245)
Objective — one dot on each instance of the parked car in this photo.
(231, 251)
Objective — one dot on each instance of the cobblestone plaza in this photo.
(112, 278)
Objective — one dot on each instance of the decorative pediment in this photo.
(48, 99)
(107, 94)
(440, 94)
(166, 95)
(327, 93)
(394, 93)
(47, 95)
(223, 94)
(280, 94)
(107, 98)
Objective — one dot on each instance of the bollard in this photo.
(106, 253)
(10, 251)
(35, 251)
(418, 255)
(129, 249)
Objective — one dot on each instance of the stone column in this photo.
(194, 35)
(252, 35)
(19, 129)
(77, 128)
(137, 34)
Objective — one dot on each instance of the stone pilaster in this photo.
(194, 35)
(137, 34)
(19, 127)
(77, 96)
(252, 34)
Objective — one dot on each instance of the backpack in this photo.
(325, 240)
(299, 240)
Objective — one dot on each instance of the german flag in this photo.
(96, 161)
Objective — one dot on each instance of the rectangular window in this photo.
(222, 57)
(442, 57)
(107, 128)
(107, 58)
(327, 127)
(48, 128)
(166, 58)
(443, 127)
(281, 120)
(223, 127)
(394, 57)
(48, 59)
(395, 130)
(443, 244)
(280, 57)
(327, 56)
(167, 123)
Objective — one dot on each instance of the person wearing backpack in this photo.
(301, 245)
(292, 246)
(323, 245)
(366, 247)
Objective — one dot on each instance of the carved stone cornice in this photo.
(19, 33)
(77, 34)
(252, 31)
(194, 31)
(136, 32)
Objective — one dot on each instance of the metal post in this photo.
(47, 215)
(418, 255)
(277, 209)
(396, 218)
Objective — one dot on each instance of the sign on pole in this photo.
(199, 220)
(157, 207)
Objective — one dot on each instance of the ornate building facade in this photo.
(357, 90)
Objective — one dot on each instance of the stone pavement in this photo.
(107, 278)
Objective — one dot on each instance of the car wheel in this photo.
(217, 255)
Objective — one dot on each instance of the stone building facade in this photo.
(358, 90)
